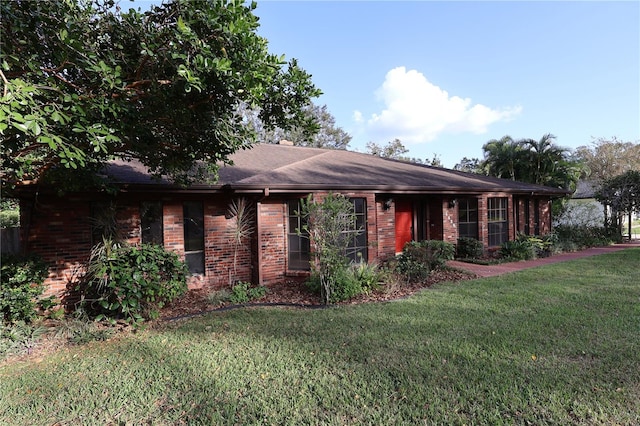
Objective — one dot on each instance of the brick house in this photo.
(394, 201)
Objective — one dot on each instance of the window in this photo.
(151, 222)
(103, 221)
(357, 250)
(468, 218)
(298, 245)
(193, 213)
(497, 217)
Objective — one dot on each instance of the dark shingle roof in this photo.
(585, 189)
(292, 168)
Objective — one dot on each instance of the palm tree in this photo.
(544, 157)
(502, 157)
(533, 161)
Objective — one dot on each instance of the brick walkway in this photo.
(503, 268)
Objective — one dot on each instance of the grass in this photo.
(558, 344)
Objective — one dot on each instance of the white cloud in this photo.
(416, 110)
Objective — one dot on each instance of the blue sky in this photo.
(446, 77)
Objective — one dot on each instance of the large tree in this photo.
(622, 194)
(606, 158)
(328, 135)
(84, 81)
(393, 149)
(470, 165)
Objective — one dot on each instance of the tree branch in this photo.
(6, 84)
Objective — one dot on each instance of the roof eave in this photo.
(298, 188)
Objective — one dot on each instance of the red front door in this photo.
(404, 223)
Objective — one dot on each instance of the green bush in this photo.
(543, 245)
(469, 248)
(518, 250)
(131, 282)
(349, 281)
(9, 218)
(419, 258)
(410, 268)
(243, 292)
(344, 285)
(21, 281)
(369, 275)
(9, 213)
(578, 237)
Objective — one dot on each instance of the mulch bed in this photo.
(294, 293)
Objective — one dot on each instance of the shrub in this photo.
(518, 250)
(369, 275)
(433, 253)
(578, 237)
(350, 281)
(419, 258)
(22, 283)
(543, 245)
(468, 248)
(131, 282)
(346, 285)
(9, 213)
(343, 285)
(243, 292)
(9, 218)
(412, 269)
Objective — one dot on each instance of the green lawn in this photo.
(558, 344)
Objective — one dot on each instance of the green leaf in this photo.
(36, 128)
(21, 126)
(48, 141)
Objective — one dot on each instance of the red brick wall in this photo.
(385, 229)
(172, 222)
(273, 239)
(545, 216)
(449, 220)
(544, 210)
(59, 231)
(483, 228)
(223, 264)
